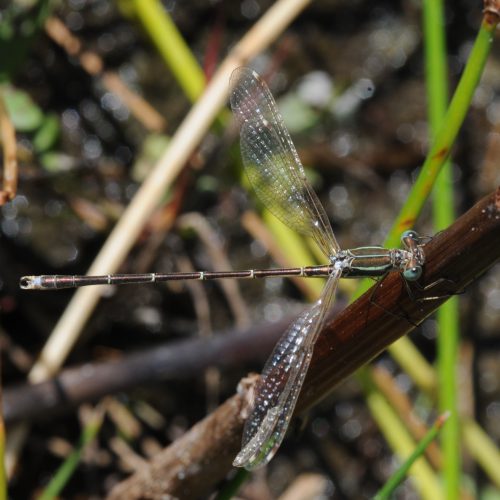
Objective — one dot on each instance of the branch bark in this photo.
(454, 258)
(169, 361)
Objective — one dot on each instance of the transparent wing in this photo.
(272, 163)
(281, 382)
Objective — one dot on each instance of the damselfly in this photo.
(277, 176)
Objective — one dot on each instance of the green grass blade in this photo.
(230, 489)
(447, 133)
(443, 214)
(399, 438)
(439, 152)
(388, 489)
(65, 471)
(171, 46)
(444, 140)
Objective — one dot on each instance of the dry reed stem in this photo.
(8, 134)
(92, 63)
(126, 231)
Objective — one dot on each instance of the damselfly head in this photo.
(410, 238)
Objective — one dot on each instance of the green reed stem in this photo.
(65, 471)
(444, 138)
(444, 215)
(435, 160)
(171, 46)
(399, 439)
(230, 489)
(447, 133)
(388, 489)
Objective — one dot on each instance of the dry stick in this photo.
(8, 136)
(93, 64)
(126, 231)
(166, 362)
(194, 464)
(258, 230)
(149, 195)
(454, 258)
(199, 298)
(220, 262)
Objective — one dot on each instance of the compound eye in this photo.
(409, 234)
(413, 273)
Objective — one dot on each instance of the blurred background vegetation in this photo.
(95, 90)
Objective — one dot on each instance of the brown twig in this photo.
(491, 10)
(455, 258)
(171, 361)
(92, 63)
(193, 465)
(215, 251)
(8, 134)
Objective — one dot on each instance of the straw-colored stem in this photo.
(482, 449)
(297, 252)
(401, 442)
(151, 192)
(123, 236)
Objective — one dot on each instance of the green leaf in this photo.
(24, 113)
(48, 133)
(297, 115)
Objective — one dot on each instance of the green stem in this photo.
(171, 46)
(230, 489)
(388, 489)
(444, 140)
(443, 214)
(446, 135)
(399, 439)
(435, 160)
(65, 471)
